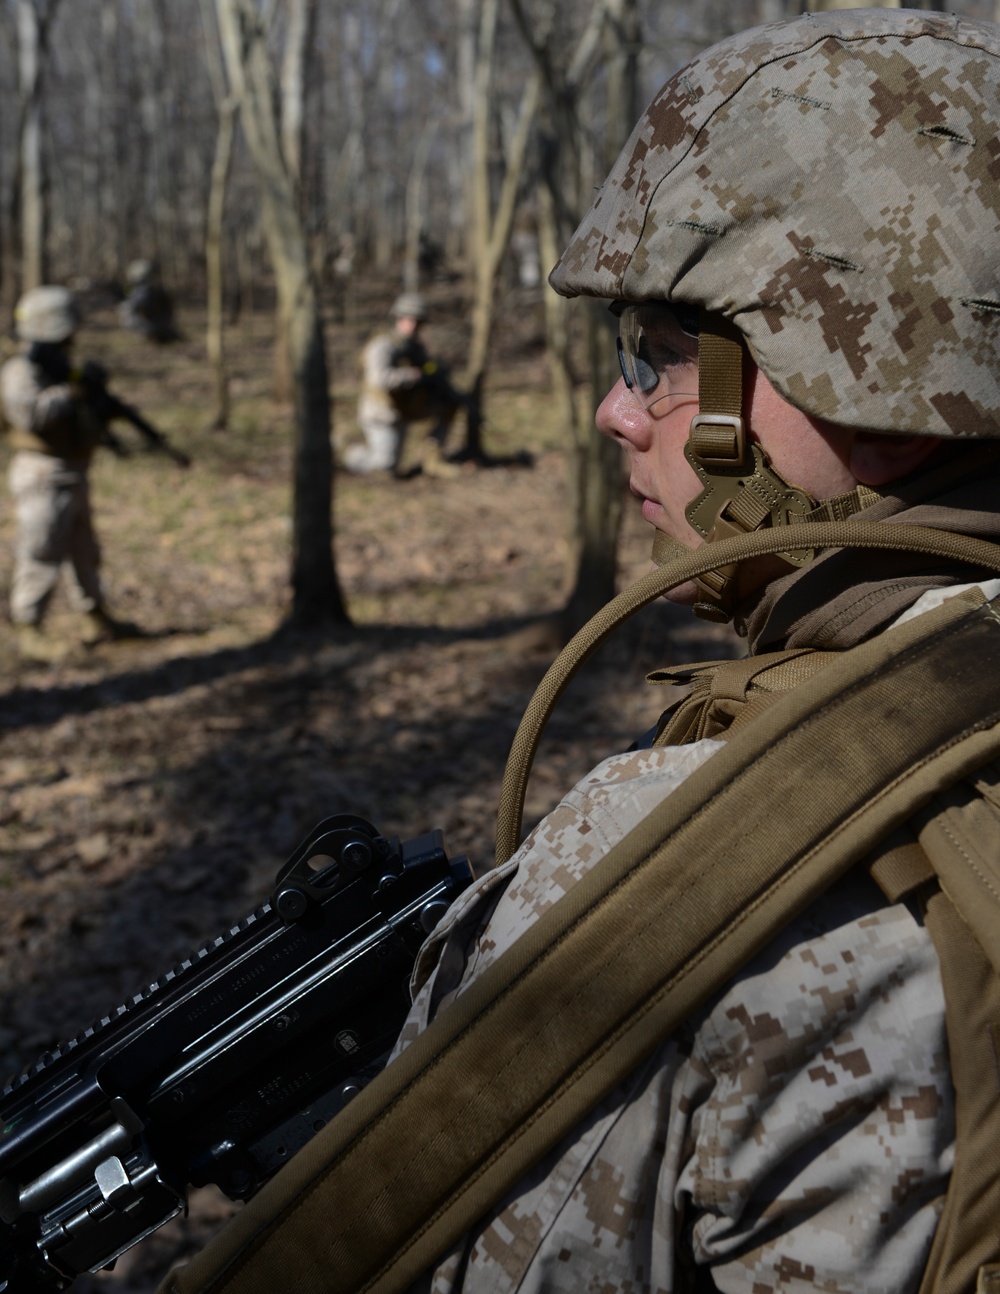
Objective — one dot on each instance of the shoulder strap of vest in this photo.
(959, 832)
(510, 1067)
(691, 564)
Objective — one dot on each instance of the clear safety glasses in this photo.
(657, 350)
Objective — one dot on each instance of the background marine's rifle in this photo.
(224, 1067)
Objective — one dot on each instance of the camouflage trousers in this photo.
(384, 428)
(383, 445)
(54, 532)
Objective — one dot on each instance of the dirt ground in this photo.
(150, 789)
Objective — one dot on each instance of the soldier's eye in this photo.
(647, 375)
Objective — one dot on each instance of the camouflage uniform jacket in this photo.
(45, 416)
(797, 1134)
(390, 364)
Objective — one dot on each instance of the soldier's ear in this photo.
(876, 460)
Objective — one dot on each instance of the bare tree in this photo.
(228, 106)
(358, 79)
(214, 280)
(415, 207)
(609, 36)
(33, 25)
(599, 479)
(316, 592)
(491, 225)
(301, 27)
(152, 113)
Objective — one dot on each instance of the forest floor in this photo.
(149, 789)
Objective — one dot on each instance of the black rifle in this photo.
(224, 1067)
(93, 380)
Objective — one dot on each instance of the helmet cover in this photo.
(830, 184)
(139, 272)
(410, 305)
(47, 313)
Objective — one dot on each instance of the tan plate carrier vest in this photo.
(655, 929)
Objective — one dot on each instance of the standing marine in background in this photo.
(53, 432)
(403, 384)
(148, 309)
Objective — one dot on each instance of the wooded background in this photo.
(269, 154)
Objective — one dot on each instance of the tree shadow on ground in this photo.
(34, 705)
(256, 744)
(408, 729)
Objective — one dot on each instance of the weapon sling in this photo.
(658, 926)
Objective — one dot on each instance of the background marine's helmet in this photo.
(829, 184)
(139, 272)
(47, 313)
(410, 305)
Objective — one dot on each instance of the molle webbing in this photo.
(566, 1013)
(724, 695)
(843, 506)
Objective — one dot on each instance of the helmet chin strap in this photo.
(741, 491)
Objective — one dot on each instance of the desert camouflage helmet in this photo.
(410, 305)
(139, 272)
(830, 184)
(48, 313)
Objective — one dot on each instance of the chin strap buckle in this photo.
(718, 439)
(741, 490)
(745, 496)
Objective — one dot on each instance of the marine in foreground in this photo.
(800, 241)
(727, 1019)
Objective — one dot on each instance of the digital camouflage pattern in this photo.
(798, 1133)
(391, 367)
(401, 384)
(55, 533)
(831, 185)
(53, 437)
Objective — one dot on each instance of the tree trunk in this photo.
(30, 38)
(292, 101)
(317, 599)
(214, 340)
(557, 335)
(301, 24)
(152, 107)
(415, 207)
(566, 183)
(467, 26)
(114, 207)
(599, 460)
(228, 107)
(599, 481)
(491, 231)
